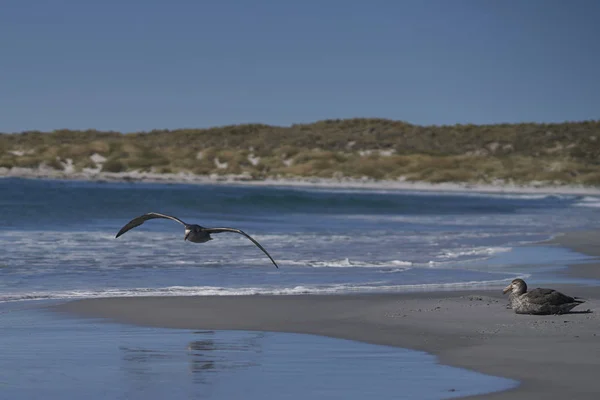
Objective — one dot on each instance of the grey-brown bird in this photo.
(538, 301)
(193, 232)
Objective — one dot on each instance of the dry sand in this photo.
(552, 356)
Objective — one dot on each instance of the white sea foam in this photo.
(476, 251)
(506, 220)
(393, 270)
(520, 196)
(471, 255)
(374, 287)
(340, 263)
(416, 192)
(588, 201)
(346, 263)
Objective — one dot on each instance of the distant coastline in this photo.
(310, 182)
(360, 151)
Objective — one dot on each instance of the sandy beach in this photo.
(552, 356)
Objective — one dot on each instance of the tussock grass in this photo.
(113, 165)
(519, 153)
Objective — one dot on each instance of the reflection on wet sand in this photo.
(209, 354)
(61, 358)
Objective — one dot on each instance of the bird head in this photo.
(517, 286)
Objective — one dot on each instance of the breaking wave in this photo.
(247, 291)
(588, 201)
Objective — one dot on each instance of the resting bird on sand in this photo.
(193, 233)
(538, 301)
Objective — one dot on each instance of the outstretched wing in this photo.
(219, 230)
(143, 218)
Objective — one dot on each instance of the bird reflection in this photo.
(200, 361)
(211, 355)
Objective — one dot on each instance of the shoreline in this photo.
(470, 330)
(585, 242)
(551, 356)
(302, 182)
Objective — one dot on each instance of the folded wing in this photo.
(549, 296)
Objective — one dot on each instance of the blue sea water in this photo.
(57, 242)
(57, 239)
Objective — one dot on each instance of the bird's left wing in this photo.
(219, 230)
(137, 221)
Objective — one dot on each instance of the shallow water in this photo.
(47, 356)
(57, 239)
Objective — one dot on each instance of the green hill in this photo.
(565, 153)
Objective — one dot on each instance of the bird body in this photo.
(193, 232)
(538, 301)
(196, 234)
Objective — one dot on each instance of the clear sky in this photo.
(139, 65)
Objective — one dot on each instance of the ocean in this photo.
(57, 242)
(58, 239)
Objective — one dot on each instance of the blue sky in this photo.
(141, 65)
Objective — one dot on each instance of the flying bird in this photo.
(193, 233)
(538, 301)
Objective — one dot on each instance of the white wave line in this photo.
(222, 291)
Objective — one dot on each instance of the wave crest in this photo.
(247, 291)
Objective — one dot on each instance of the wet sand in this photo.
(587, 242)
(552, 356)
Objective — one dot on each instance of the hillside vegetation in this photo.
(374, 148)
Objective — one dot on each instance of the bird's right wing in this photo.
(137, 221)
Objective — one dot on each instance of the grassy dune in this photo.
(566, 153)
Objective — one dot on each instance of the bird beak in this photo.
(507, 289)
